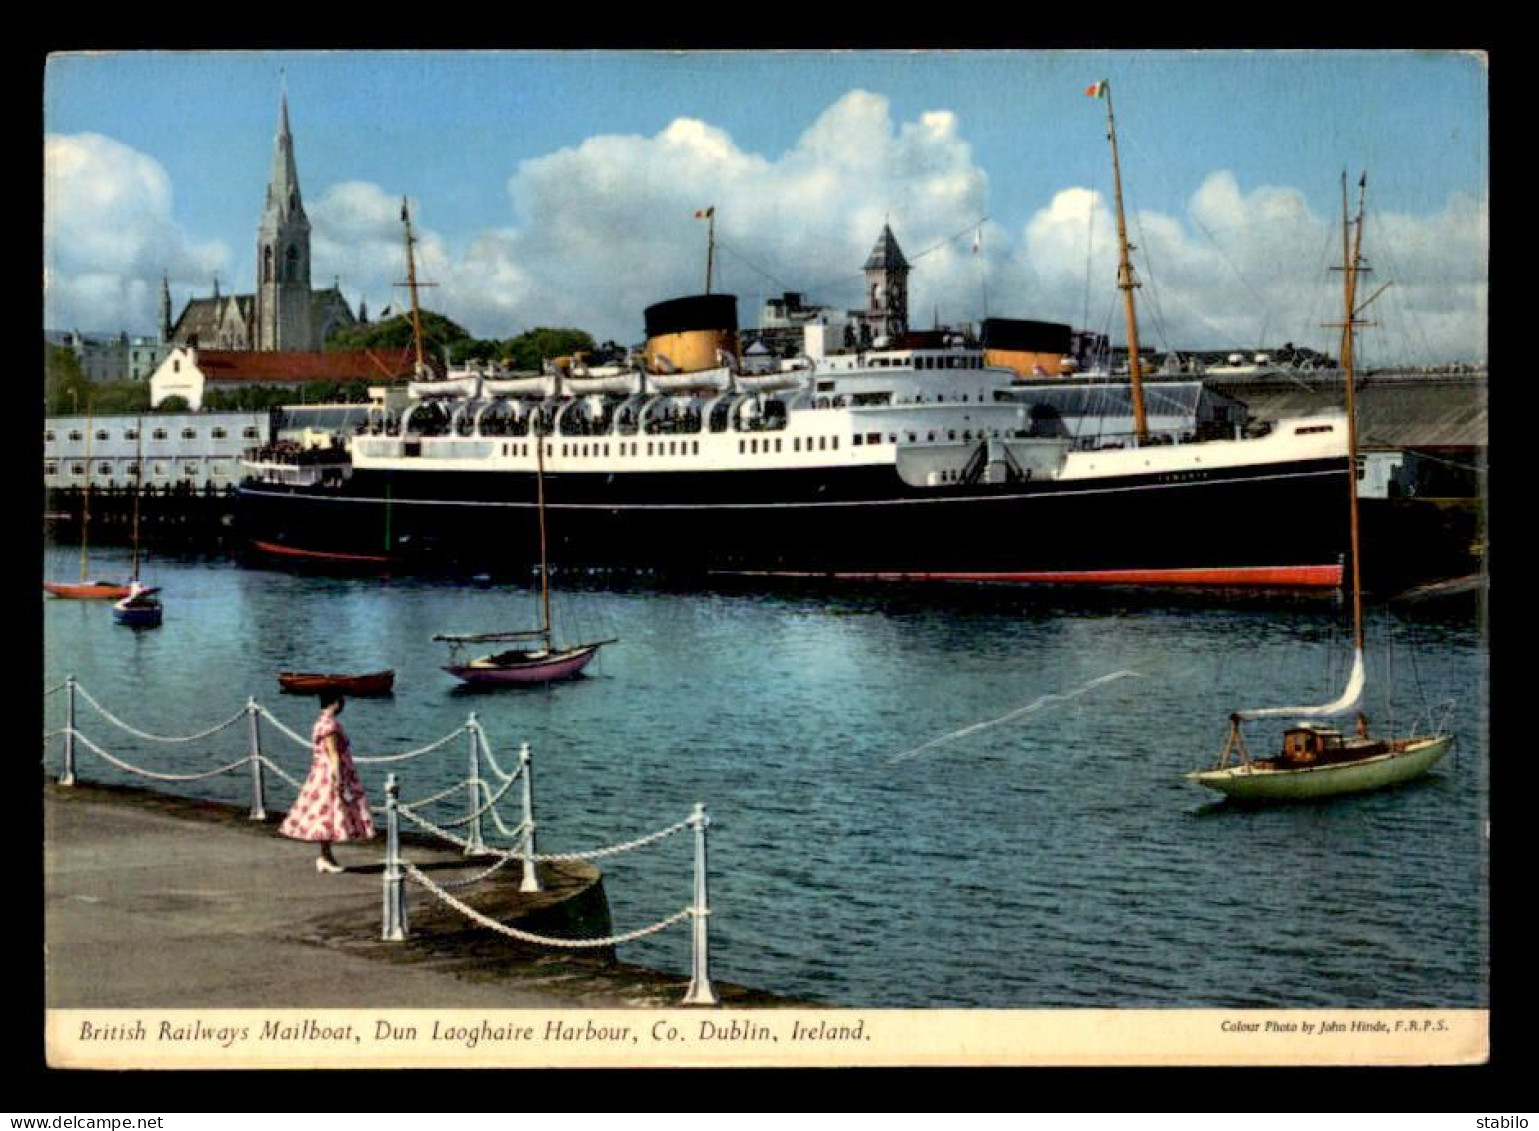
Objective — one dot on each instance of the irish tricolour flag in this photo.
(1097, 90)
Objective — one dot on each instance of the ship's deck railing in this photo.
(485, 787)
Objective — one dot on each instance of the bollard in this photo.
(531, 880)
(258, 787)
(394, 925)
(68, 776)
(474, 846)
(700, 992)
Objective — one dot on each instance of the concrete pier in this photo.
(152, 901)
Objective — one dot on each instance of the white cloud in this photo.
(1250, 269)
(109, 233)
(601, 230)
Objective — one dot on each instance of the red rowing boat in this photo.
(88, 590)
(313, 683)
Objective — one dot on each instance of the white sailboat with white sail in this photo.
(1317, 758)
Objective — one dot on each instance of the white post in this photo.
(531, 880)
(68, 776)
(394, 927)
(700, 992)
(258, 792)
(474, 846)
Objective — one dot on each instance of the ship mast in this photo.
(709, 216)
(420, 369)
(1125, 278)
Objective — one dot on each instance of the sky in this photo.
(558, 188)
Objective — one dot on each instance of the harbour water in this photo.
(919, 797)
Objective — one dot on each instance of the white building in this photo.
(192, 373)
(193, 448)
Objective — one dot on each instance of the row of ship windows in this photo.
(74, 435)
(627, 448)
(753, 447)
(926, 362)
(683, 447)
(158, 470)
(931, 437)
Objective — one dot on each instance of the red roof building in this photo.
(192, 373)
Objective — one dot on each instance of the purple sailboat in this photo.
(541, 660)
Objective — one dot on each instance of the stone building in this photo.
(886, 313)
(284, 313)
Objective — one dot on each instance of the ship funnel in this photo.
(1031, 349)
(685, 335)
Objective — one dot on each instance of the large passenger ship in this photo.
(923, 458)
(874, 452)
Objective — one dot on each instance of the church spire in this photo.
(283, 299)
(283, 186)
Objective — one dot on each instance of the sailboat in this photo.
(1317, 759)
(540, 661)
(140, 606)
(84, 590)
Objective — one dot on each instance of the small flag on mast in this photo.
(977, 241)
(705, 213)
(1097, 90)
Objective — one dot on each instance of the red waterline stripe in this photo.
(1243, 577)
(291, 552)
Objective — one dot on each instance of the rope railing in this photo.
(110, 717)
(483, 800)
(616, 849)
(277, 769)
(517, 831)
(481, 803)
(441, 794)
(486, 752)
(377, 759)
(122, 765)
(362, 759)
(543, 940)
(397, 870)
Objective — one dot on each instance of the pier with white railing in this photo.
(481, 828)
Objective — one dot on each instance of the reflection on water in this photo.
(873, 843)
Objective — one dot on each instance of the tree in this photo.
(65, 388)
(67, 391)
(121, 398)
(174, 404)
(482, 349)
(395, 334)
(533, 347)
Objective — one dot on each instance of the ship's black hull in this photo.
(1281, 526)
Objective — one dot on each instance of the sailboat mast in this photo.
(1125, 278)
(1351, 249)
(411, 283)
(138, 486)
(539, 479)
(85, 502)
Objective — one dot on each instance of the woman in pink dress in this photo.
(331, 805)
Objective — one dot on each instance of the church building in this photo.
(285, 314)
